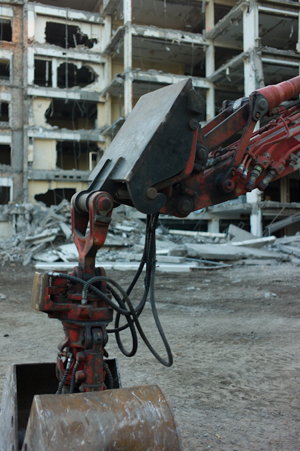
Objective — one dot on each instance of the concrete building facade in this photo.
(70, 75)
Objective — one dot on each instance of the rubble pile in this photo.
(35, 228)
(43, 236)
(289, 246)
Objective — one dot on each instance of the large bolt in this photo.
(201, 154)
(152, 193)
(185, 205)
(262, 103)
(228, 185)
(104, 203)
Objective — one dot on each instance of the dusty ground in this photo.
(235, 333)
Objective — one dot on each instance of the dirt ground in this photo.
(235, 333)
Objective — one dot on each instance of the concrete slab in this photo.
(228, 252)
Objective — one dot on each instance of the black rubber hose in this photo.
(99, 292)
(130, 322)
(75, 367)
(131, 313)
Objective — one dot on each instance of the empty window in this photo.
(4, 69)
(5, 154)
(294, 190)
(94, 157)
(4, 115)
(5, 30)
(68, 75)
(42, 72)
(55, 196)
(67, 36)
(76, 155)
(72, 114)
(4, 194)
(278, 31)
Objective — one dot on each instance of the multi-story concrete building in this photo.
(69, 75)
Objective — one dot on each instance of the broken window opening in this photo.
(278, 32)
(195, 70)
(272, 192)
(5, 30)
(67, 36)
(42, 72)
(94, 158)
(221, 11)
(4, 112)
(81, 155)
(294, 189)
(68, 76)
(55, 196)
(72, 114)
(4, 195)
(4, 69)
(223, 55)
(5, 154)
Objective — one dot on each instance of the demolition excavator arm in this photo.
(161, 161)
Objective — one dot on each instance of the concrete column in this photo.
(210, 60)
(30, 66)
(31, 22)
(107, 33)
(128, 88)
(54, 72)
(213, 225)
(250, 42)
(256, 215)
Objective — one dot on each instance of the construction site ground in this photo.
(235, 335)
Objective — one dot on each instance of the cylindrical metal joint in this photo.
(104, 202)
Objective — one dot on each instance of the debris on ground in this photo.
(43, 236)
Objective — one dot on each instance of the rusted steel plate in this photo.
(22, 383)
(136, 418)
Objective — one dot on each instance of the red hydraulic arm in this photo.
(161, 161)
(252, 161)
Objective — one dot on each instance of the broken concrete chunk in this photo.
(290, 250)
(47, 257)
(66, 230)
(46, 236)
(235, 233)
(67, 252)
(196, 234)
(256, 242)
(178, 251)
(228, 252)
(212, 252)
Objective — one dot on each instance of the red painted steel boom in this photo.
(161, 161)
(169, 164)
